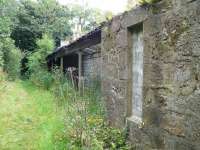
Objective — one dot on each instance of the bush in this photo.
(37, 64)
(3, 83)
(14, 63)
(37, 59)
(1, 57)
(10, 58)
(42, 79)
(112, 138)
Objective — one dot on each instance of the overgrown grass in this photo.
(57, 119)
(85, 123)
(29, 118)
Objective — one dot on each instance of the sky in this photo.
(115, 6)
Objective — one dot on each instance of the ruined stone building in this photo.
(83, 54)
(149, 66)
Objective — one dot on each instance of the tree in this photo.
(10, 56)
(25, 21)
(37, 18)
(54, 19)
(7, 14)
(84, 19)
(48, 16)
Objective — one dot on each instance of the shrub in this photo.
(10, 58)
(37, 59)
(2, 81)
(42, 78)
(14, 63)
(112, 138)
(1, 57)
(37, 64)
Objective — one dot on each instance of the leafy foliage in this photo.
(37, 59)
(85, 19)
(26, 29)
(1, 57)
(85, 124)
(37, 62)
(112, 138)
(48, 16)
(10, 58)
(7, 15)
(54, 19)
(32, 19)
(4, 26)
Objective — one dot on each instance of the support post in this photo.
(51, 65)
(79, 70)
(61, 64)
(55, 62)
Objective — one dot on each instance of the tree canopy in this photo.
(24, 22)
(48, 16)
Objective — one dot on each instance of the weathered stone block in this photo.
(171, 74)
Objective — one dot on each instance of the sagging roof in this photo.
(88, 40)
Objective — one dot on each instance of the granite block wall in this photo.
(171, 87)
(92, 65)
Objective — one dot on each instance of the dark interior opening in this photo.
(70, 61)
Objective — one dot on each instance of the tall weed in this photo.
(86, 127)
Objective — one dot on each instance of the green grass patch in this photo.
(57, 119)
(29, 118)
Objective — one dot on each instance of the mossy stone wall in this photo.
(171, 92)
